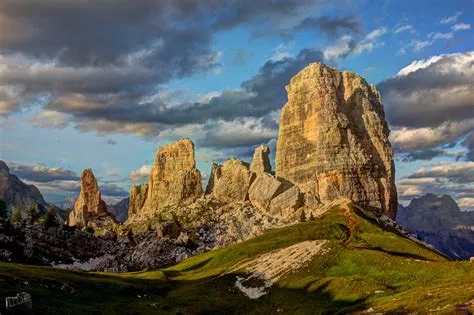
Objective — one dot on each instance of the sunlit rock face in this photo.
(138, 196)
(333, 139)
(174, 178)
(261, 161)
(232, 181)
(89, 206)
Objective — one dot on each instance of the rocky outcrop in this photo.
(234, 181)
(138, 196)
(18, 194)
(437, 220)
(89, 206)
(120, 209)
(261, 161)
(333, 139)
(174, 178)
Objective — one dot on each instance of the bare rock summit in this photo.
(174, 178)
(333, 139)
(89, 206)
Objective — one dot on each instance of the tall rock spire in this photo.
(89, 206)
(333, 139)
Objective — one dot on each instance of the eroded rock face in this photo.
(138, 196)
(261, 161)
(234, 181)
(18, 194)
(333, 139)
(89, 206)
(214, 177)
(174, 178)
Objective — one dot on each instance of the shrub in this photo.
(49, 218)
(16, 216)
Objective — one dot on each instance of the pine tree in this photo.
(32, 214)
(3, 209)
(16, 216)
(49, 218)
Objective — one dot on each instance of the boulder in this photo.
(263, 189)
(333, 139)
(234, 181)
(286, 203)
(89, 206)
(261, 161)
(174, 178)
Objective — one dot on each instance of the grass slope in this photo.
(366, 268)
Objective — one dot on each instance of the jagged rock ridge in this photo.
(18, 194)
(437, 220)
(333, 139)
(120, 209)
(89, 206)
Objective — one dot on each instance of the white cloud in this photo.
(346, 45)
(417, 65)
(371, 41)
(461, 27)
(141, 173)
(451, 19)
(340, 49)
(281, 52)
(428, 137)
(50, 119)
(466, 202)
(404, 28)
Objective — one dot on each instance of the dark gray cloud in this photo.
(332, 26)
(469, 144)
(461, 172)
(430, 92)
(260, 95)
(426, 154)
(42, 174)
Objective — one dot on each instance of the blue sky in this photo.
(78, 90)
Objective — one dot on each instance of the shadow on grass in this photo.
(60, 293)
(394, 253)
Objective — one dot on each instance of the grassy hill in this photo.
(359, 267)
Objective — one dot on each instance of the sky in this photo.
(103, 84)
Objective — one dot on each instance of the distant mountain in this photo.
(437, 220)
(120, 209)
(18, 194)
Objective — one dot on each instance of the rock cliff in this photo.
(333, 139)
(174, 178)
(18, 194)
(138, 196)
(89, 206)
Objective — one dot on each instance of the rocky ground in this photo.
(173, 235)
